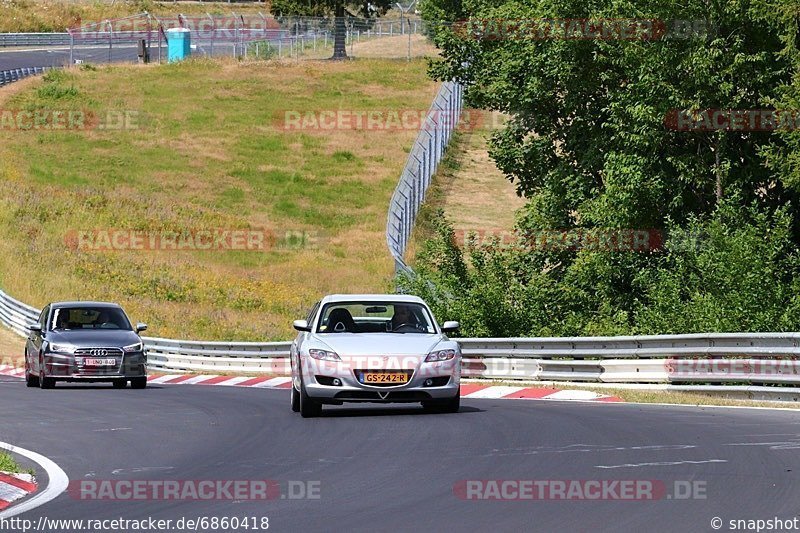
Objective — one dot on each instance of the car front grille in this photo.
(99, 353)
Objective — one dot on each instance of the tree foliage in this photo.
(590, 144)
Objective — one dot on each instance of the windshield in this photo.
(375, 317)
(66, 318)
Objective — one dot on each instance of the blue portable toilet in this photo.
(179, 44)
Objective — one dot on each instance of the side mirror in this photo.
(140, 327)
(301, 325)
(450, 326)
(36, 328)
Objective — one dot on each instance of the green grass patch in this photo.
(201, 145)
(7, 464)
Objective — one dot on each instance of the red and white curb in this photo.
(8, 370)
(57, 483)
(14, 487)
(468, 390)
(497, 392)
(224, 381)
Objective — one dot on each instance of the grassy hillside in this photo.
(209, 153)
(57, 15)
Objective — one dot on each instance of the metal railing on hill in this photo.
(426, 154)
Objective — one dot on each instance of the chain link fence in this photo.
(145, 37)
(428, 150)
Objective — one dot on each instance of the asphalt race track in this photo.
(59, 56)
(395, 468)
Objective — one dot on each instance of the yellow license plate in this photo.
(385, 377)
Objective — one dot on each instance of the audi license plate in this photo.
(99, 362)
(384, 377)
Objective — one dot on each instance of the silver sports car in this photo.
(374, 348)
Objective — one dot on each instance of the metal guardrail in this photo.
(427, 152)
(172, 354)
(10, 76)
(33, 39)
(755, 359)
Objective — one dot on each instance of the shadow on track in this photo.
(339, 412)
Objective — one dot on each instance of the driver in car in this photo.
(103, 321)
(403, 316)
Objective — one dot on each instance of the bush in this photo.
(736, 271)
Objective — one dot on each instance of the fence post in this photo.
(213, 32)
(110, 42)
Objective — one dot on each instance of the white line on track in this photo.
(234, 381)
(493, 392)
(162, 379)
(57, 481)
(663, 463)
(198, 379)
(274, 382)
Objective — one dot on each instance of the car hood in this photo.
(106, 338)
(380, 343)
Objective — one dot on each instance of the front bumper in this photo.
(68, 367)
(351, 390)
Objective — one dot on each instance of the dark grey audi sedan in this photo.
(85, 342)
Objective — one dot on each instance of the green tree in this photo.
(340, 9)
(587, 141)
(589, 144)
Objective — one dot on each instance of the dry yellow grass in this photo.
(468, 187)
(58, 15)
(381, 47)
(477, 196)
(12, 347)
(210, 154)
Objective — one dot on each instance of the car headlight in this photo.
(324, 355)
(441, 355)
(132, 348)
(62, 348)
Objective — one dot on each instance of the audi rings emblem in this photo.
(98, 352)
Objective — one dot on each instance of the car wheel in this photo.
(120, 384)
(309, 408)
(30, 379)
(139, 383)
(295, 399)
(44, 381)
(450, 405)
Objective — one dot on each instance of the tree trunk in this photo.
(339, 34)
